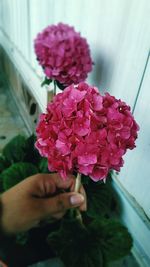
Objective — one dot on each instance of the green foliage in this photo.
(1, 185)
(76, 246)
(60, 85)
(3, 163)
(43, 165)
(85, 180)
(22, 238)
(16, 173)
(46, 81)
(21, 149)
(14, 151)
(99, 198)
(102, 241)
(115, 240)
(31, 154)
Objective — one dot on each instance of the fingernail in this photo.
(76, 199)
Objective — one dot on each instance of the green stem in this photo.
(77, 188)
(55, 86)
(78, 183)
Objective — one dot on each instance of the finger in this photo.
(72, 188)
(83, 206)
(63, 183)
(61, 203)
(47, 184)
(41, 185)
(2, 264)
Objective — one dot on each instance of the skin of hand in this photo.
(2, 264)
(37, 198)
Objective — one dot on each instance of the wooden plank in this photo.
(135, 175)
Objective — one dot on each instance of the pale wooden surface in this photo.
(118, 32)
(136, 173)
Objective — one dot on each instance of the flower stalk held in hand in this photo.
(87, 133)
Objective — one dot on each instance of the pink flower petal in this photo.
(63, 54)
(75, 136)
(87, 159)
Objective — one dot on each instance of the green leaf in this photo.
(21, 149)
(102, 241)
(14, 151)
(3, 164)
(31, 153)
(46, 81)
(1, 184)
(22, 238)
(115, 240)
(16, 173)
(84, 179)
(99, 198)
(76, 246)
(60, 85)
(43, 166)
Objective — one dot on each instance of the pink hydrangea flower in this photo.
(85, 132)
(63, 54)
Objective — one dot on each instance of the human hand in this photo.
(2, 264)
(37, 198)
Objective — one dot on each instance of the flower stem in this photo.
(55, 85)
(76, 189)
(78, 183)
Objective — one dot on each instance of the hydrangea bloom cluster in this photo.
(86, 132)
(63, 54)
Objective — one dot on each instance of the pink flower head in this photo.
(63, 54)
(85, 132)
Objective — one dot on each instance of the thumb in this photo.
(62, 202)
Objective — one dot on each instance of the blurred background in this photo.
(118, 33)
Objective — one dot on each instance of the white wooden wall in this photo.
(136, 173)
(118, 32)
